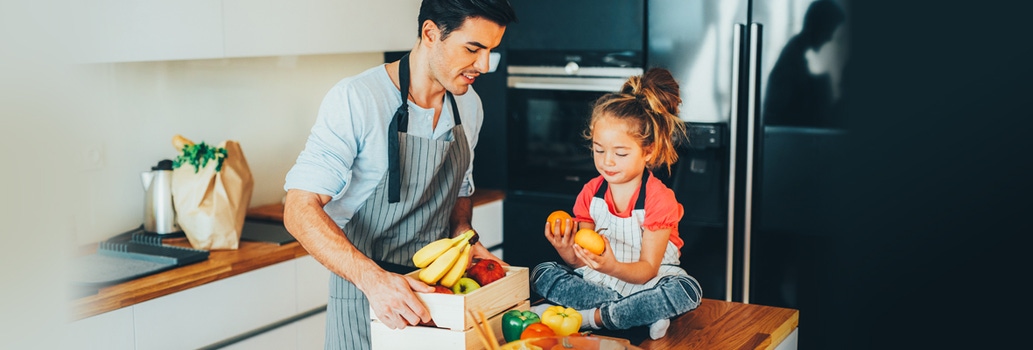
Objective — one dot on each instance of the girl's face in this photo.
(619, 157)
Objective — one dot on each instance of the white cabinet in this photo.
(159, 30)
(313, 282)
(134, 30)
(111, 330)
(305, 334)
(213, 312)
(487, 220)
(278, 27)
(281, 338)
(312, 332)
(217, 312)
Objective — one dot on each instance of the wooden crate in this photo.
(416, 337)
(450, 310)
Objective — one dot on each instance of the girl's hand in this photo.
(605, 262)
(561, 235)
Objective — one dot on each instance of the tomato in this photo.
(536, 330)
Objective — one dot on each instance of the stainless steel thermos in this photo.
(159, 216)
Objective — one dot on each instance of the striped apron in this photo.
(625, 236)
(410, 208)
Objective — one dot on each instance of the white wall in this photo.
(76, 137)
(31, 296)
(132, 110)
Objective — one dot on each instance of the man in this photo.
(795, 96)
(387, 168)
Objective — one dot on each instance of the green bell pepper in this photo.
(514, 322)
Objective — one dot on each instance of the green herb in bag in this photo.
(198, 155)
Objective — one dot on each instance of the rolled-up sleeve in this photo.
(325, 165)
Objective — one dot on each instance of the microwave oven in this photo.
(578, 25)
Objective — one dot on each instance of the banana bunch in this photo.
(444, 261)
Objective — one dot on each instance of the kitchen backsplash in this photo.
(130, 111)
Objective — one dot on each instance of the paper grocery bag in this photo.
(211, 202)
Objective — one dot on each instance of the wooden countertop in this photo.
(718, 324)
(715, 324)
(220, 264)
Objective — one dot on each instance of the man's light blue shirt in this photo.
(345, 156)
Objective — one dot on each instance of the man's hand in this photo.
(478, 251)
(392, 299)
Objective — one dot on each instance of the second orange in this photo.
(590, 240)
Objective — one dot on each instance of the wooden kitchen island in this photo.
(716, 324)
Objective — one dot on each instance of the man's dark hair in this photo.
(450, 14)
(820, 22)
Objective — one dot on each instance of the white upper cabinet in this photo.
(146, 30)
(160, 30)
(303, 27)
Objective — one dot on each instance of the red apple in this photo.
(486, 271)
(442, 289)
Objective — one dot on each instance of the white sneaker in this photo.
(658, 329)
(540, 308)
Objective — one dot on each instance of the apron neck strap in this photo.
(640, 203)
(455, 108)
(400, 124)
(402, 114)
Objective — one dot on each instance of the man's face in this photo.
(458, 59)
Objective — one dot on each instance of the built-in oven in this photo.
(560, 57)
(550, 98)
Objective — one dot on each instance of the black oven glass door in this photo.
(547, 150)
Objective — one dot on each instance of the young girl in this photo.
(637, 279)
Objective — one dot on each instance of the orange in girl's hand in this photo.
(559, 215)
(590, 240)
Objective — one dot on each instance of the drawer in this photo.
(206, 314)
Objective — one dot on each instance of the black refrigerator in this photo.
(769, 73)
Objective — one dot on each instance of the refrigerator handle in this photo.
(752, 121)
(733, 130)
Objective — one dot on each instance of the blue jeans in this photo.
(672, 296)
